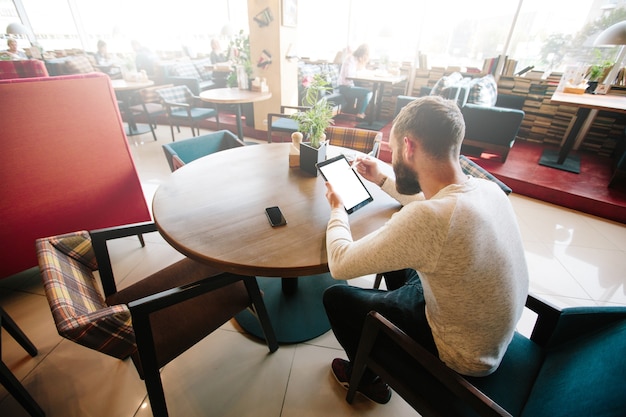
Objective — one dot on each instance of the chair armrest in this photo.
(555, 326)
(99, 240)
(376, 148)
(575, 322)
(547, 319)
(457, 384)
(175, 104)
(299, 108)
(143, 307)
(271, 116)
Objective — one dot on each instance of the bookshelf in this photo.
(544, 122)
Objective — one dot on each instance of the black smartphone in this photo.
(275, 216)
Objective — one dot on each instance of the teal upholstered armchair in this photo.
(492, 128)
(184, 151)
(574, 364)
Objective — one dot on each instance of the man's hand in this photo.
(368, 168)
(333, 198)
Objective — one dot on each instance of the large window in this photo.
(543, 33)
(548, 34)
(162, 26)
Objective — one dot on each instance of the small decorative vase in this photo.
(310, 156)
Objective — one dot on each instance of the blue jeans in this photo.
(361, 95)
(347, 307)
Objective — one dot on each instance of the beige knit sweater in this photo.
(466, 246)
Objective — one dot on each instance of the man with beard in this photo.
(459, 280)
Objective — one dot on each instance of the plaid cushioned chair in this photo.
(153, 320)
(183, 106)
(362, 140)
(151, 106)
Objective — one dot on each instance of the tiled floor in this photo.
(574, 259)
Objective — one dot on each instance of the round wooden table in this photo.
(213, 210)
(234, 96)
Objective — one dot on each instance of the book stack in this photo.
(490, 65)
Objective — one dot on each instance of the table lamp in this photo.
(613, 35)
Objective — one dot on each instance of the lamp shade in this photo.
(613, 35)
(17, 29)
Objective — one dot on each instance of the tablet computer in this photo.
(345, 181)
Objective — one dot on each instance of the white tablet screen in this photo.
(346, 182)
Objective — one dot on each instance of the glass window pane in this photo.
(322, 28)
(53, 24)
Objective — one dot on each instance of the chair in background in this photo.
(572, 364)
(153, 320)
(492, 128)
(362, 140)
(184, 151)
(151, 106)
(282, 122)
(184, 108)
(7, 379)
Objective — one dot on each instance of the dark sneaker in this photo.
(377, 391)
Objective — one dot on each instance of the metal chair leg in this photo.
(7, 379)
(17, 390)
(261, 312)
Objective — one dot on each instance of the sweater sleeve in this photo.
(391, 247)
(390, 188)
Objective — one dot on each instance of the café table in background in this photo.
(378, 81)
(234, 96)
(588, 106)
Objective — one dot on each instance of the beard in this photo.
(407, 181)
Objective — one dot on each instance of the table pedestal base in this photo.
(550, 159)
(297, 315)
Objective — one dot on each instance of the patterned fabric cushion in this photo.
(201, 67)
(445, 82)
(453, 87)
(78, 246)
(186, 69)
(471, 168)
(22, 69)
(78, 308)
(358, 139)
(79, 64)
(483, 91)
(176, 94)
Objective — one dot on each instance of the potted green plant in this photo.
(597, 72)
(239, 56)
(312, 123)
